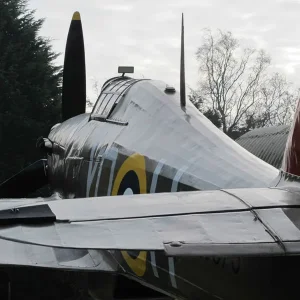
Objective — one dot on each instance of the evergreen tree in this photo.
(30, 86)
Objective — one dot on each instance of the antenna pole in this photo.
(182, 68)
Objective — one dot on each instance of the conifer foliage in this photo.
(30, 86)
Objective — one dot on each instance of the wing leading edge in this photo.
(243, 222)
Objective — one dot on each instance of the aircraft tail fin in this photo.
(291, 158)
(74, 77)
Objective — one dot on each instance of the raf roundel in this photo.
(131, 179)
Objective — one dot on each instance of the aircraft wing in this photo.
(22, 254)
(241, 222)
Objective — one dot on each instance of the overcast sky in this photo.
(146, 34)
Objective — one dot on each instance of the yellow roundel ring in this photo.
(135, 163)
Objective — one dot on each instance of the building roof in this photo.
(266, 143)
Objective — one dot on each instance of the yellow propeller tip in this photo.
(76, 16)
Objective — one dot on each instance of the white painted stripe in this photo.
(91, 171)
(152, 190)
(100, 171)
(172, 272)
(98, 178)
(176, 179)
(155, 175)
(112, 155)
(153, 263)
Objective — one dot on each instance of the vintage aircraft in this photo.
(217, 223)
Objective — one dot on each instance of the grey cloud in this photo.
(117, 7)
(289, 5)
(146, 34)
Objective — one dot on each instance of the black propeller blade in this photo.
(74, 79)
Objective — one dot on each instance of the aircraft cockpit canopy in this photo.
(113, 91)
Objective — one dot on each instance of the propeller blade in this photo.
(25, 182)
(74, 78)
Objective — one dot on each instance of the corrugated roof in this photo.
(266, 143)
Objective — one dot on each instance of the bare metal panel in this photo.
(186, 142)
(205, 223)
(186, 139)
(165, 204)
(257, 198)
(145, 233)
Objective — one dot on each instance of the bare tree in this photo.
(277, 101)
(89, 104)
(96, 89)
(230, 78)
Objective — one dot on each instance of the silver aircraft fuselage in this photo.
(138, 139)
